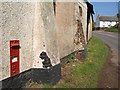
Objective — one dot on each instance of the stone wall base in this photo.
(51, 75)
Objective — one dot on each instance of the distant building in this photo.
(106, 21)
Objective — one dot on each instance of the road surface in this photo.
(111, 39)
(109, 75)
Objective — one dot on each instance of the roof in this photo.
(108, 18)
(90, 8)
(90, 11)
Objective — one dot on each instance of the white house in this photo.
(106, 21)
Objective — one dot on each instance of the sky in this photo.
(105, 8)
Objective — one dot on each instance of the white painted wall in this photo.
(33, 24)
(104, 23)
(107, 23)
(39, 43)
(0, 45)
(17, 20)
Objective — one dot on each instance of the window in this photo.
(80, 10)
(54, 6)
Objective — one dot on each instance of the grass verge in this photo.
(82, 74)
(112, 29)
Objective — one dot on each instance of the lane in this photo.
(110, 39)
(109, 76)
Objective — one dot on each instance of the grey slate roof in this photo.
(108, 18)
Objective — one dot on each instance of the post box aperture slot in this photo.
(15, 46)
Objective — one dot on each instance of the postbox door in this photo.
(14, 57)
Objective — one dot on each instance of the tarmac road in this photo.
(111, 39)
(109, 75)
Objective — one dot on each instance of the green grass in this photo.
(88, 73)
(83, 74)
(112, 29)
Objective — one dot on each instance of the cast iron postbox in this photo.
(14, 57)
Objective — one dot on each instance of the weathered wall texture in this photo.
(45, 34)
(50, 32)
(81, 25)
(65, 27)
(17, 23)
(57, 30)
(39, 43)
(84, 18)
(90, 28)
(68, 27)
(34, 25)
(0, 43)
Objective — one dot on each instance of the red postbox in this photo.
(14, 57)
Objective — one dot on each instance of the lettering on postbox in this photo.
(14, 57)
